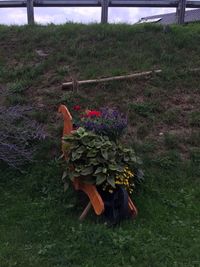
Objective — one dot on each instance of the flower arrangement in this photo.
(106, 121)
(95, 156)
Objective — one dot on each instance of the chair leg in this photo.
(132, 208)
(85, 211)
(93, 195)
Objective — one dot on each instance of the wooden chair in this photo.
(95, 199)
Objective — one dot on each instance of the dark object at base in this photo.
(116, 205)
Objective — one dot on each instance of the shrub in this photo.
(18, 135)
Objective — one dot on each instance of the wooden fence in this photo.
(103, 4)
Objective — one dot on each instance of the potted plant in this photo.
(95, 156)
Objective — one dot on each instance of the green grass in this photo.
(39, 223)
(195, 118)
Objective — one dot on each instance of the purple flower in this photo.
(111, 123)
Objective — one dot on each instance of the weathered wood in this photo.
(181, 12)
(96, 3)
(85, 212)
(115, 78)
(30, 12)
(104, 11)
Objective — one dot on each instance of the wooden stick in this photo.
(194, 70)
(85, 212)
(115, 78)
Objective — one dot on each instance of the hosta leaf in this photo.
(126, 150)
(98, 170)
(76, 174)
(120, 168)
(106, 138)
(92, 153)
(111, 181)
(76, 155)
(81, 149)
(87, 170)
(100, 179)
(104, 154)
(104, 170)
(94, 161)
(108, 143)
(81, 131)
(86, 140)
(98, 145)
(112, 167)
(92, 143)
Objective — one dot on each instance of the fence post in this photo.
(181, 11)
(104, 11)
(30, 12)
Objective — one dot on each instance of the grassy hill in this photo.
(38, 222)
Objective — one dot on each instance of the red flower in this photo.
(94, 113)
(77, 107)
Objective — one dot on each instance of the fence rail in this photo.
(104, 4)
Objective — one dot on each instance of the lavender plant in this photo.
(111, 123)
(18, 135)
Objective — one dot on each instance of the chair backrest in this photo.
(68, 125)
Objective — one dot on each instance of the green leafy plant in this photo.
(96, 159)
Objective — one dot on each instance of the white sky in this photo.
(84, 15)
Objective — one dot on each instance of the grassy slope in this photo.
(37, 225)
